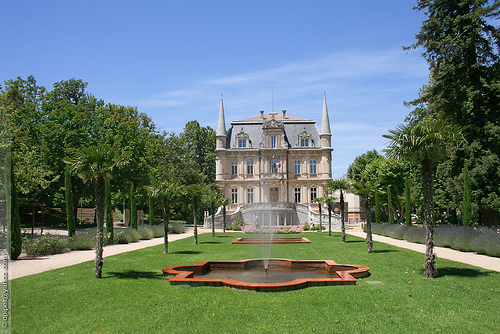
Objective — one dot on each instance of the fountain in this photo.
(282, 274)
(266, 274)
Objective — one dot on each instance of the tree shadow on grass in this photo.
(384, 250)
(211, 242)
(462, 272)
(186, 252)
(133, 274)
(353, 241)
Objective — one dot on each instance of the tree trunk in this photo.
(369, 237)
(213, 220)
(329, 220)
(430, 257)
(320, 224)
(109, 211)
(224, 219)
(342, 215)
(99, 204)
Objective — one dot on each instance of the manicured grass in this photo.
(133, 296)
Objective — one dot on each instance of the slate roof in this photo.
(292, 127)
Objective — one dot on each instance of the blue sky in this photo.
(173, 59)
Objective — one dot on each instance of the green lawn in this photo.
(133, 296)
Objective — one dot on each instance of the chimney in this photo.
(284, 113)
(262, 114)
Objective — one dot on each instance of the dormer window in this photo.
(242, 140)
(304, 139)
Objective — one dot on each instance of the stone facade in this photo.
(275, 159)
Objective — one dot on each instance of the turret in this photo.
(221, 135)
(326, 134)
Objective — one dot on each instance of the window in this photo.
(234, 196)
(250, 167)
(296, 166)
(234, 167)
(312, 164)
(304, 142)
(250, 196)
(275, 164)
(242, 143)
(297, 195)
(314, 194)
(273, 141)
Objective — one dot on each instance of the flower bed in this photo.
(273, 229)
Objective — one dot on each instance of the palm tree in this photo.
(225, 202)
(342, 185)
(329, 201)
(95, 164)
(213, 200)
(364, 190)
(166, 192)
(320, 202)
(424, 143)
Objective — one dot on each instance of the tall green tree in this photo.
(14, 238)
(461, 45)
(151, 217)
(390, 219)
(95, 164)
(467, 204)
(408, 205)
(70, 206)
(425, 143)
(133, 207)
(377, 206)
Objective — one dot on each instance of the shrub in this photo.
(45, 245)
(233, 228)
(81, 241)
(463, 238)
(133, 234)
(238, 222)
(176, 228)
(121, 237)
(396, 231)
(307, 227)
(157, 231)
(146, 232)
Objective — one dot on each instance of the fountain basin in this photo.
(270, 241)
(283, 274)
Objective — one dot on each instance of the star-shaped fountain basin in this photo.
(282, 275)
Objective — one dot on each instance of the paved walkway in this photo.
(28, 266)
(474, 259)
(33, 265)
